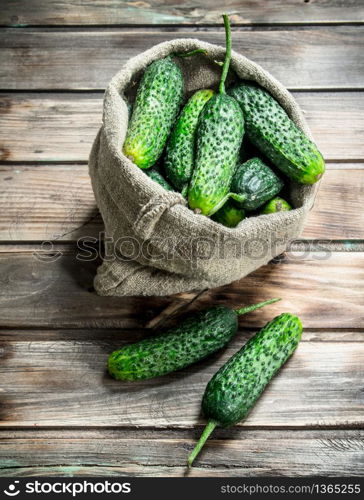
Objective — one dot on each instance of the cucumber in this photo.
(236, 386)
(229, 215)
(194, 339)
(272, 131)
(156, 106)
(158, 177)
(179, 157)
(276, 205)
(257, 182)
(219, 136)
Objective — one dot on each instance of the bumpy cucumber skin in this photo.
(276, 205)
(180, 150)
(272, 131)
(219, 136)
(234, 389)
(189, 342)
(257, 181)
(156, 106)
(157, 177)
(229, 215)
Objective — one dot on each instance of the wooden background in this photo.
(60, 413)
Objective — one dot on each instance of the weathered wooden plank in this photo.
(32, 281)
(50, 289)
(109, 12)
(338, 212)
(57, 203)
(302, 59)
(61, 127)
(307, 282)
(232, 452)
(47, 203)
(51, 383)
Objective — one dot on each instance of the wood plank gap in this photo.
(60, 90)
(87, 433)
(354, 163)
(46, 334)
(69, 247)
(41, 163)
(200, 27)
(175, 429)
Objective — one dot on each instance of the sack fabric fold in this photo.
(154, 244)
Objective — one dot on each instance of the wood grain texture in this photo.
(232, 452)
(56, 333)
(47, 203)
(50, 289)
(52, 383)
(56, 12)
(301, 59)
(57, 203)
(338, 211)
(62, 127)
(308, 283)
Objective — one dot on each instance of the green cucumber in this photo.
(229, 215)
(219, 136)
(276, 205)
(179, 159)
(236, 386)
(257, 182)
(156, 106)
(158, 177)
(196, 338)
(272, 131)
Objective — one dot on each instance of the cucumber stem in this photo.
(244, 310)
(225, 68)
(206, 432)
(191, 53)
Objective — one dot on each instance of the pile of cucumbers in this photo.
(236, 386)
(197, 150)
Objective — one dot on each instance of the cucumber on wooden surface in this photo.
(229, 215)
(219, 136)
(158, 99)
(180, 152)
(257, 182)
(277, 204)
(236, 386)
(194, 339)
(271, 130)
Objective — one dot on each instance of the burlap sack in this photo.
(154, 244)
